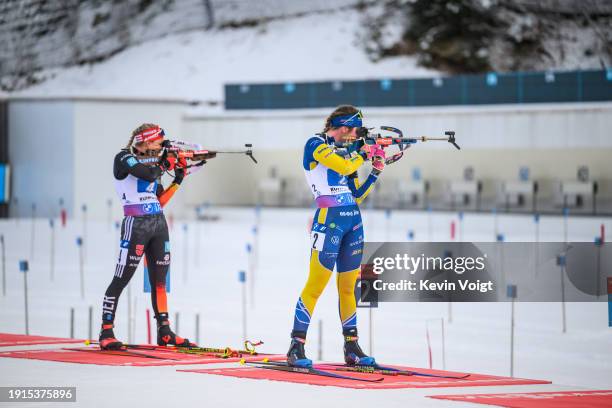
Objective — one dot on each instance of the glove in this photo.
(179, 175)
(165, 162)
(356, 145)
(169, 163)
(373, 151)
(378, 161)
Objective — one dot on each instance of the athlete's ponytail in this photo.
(138, 130)
(341, 110)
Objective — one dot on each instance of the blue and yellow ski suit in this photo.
(337, 230)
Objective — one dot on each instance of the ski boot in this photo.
(107, 340)
(166, 337)
(296, 357)
(353, 355)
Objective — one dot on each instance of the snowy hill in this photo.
(188, 49)
(195, 65)
(167, 52)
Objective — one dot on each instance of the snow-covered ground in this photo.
(212, 253)
(195, 65)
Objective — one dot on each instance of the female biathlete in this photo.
(144, 230)
(337, 231)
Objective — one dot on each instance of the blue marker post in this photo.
(52, 250)
(23, 267)
(242, 280)
(410, 235)
(511, 292)
(251, 272)
(561, 262)
(79, 242)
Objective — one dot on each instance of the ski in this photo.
(392, 371)
(121, 352)
(212, 351)
(280, 366)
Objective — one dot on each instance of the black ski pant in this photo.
(143, 235)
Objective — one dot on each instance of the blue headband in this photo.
(353, 120)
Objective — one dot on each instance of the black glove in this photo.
(179, 175)
(163, 160)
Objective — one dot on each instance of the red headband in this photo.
(149, 135)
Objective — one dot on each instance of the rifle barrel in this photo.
(426, 138)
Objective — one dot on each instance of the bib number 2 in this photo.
(317, 239)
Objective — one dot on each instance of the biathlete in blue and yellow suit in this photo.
(337, 229)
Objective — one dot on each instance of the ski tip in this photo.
(265, 360)
(87, 342)
(242, 361)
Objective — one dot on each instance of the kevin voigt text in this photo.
(429, 285)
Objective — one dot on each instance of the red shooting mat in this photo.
(400, 381)
(558, 399)
(93, 355)
(9, 339)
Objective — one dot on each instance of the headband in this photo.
(150, 134)
(348, 120)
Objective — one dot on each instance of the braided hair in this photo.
(341, 110)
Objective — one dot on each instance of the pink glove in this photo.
(378, 161)
(373, 151)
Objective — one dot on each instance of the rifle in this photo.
(365, 136)
(194, 152)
